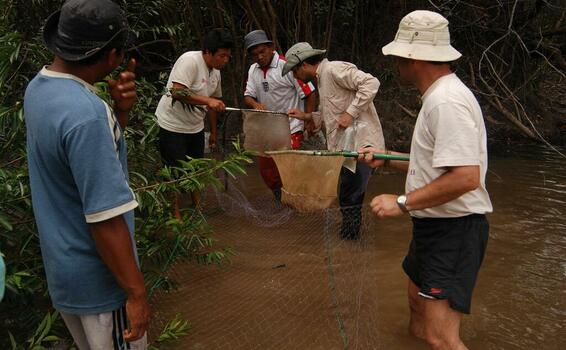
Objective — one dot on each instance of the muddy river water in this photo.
(288, 288)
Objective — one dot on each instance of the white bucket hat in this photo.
(423, 35)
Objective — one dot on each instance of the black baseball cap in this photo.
(84, 27)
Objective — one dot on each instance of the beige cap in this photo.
(297, 54)
(423, 35)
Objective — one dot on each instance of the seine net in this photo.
(293, 282)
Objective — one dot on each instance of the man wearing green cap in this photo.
(351, 121)
(445, 191)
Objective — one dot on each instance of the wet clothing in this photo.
(449, 240)
(445, 256)
(78, 175)
(351, 197)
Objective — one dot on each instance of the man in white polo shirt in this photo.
(194, 93)
(445, 190)
(267, 89)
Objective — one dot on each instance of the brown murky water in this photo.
(293, 285)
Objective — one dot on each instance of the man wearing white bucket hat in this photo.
(445, 190)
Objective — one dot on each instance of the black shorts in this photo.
(175, 146)
(445, 256)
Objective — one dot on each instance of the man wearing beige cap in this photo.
(445, 190)
(351, 121)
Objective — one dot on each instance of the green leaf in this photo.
(5, 222)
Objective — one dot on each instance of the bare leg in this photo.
(442, 325)
(177, 207)
(416, 306)
(195, 197)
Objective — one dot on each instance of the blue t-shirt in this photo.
(78, 175)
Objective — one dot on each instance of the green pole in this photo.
(376, 156)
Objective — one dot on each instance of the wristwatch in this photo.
(402, 202)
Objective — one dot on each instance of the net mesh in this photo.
(309, 182)
(293, 283)
(266, 131)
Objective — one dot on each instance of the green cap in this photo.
(297, 54)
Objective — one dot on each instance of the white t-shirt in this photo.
(277, 93)
(449, 131)
(191, 71)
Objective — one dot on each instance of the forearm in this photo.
(250, 102)
(447, 187)
(178, 95)
(122, 117)
(310, 102)
(112, 239)
(182, 93)
(399, 164)
(212, 121)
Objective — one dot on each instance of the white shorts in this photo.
(103, 331)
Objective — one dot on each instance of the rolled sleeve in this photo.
(97, 171)
(348, 76)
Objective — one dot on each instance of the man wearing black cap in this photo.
(268, 89)
(82, 201)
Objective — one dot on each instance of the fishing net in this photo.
(293, 282)
(310, 182)
(266, 131)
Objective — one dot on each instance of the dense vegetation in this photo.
(513, 58)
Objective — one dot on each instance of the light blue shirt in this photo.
(78, 175)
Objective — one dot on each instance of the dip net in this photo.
(310, 182)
